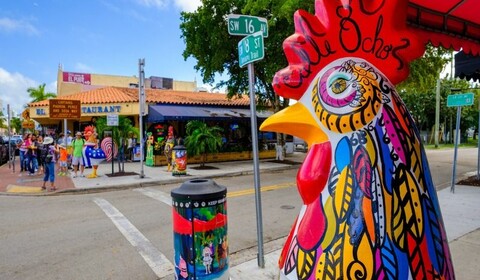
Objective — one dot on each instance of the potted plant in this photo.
(202, 139)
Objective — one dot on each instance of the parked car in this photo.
(14, 141)
(3, 151)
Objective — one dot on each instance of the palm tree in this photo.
(119, 134)
(39, 94)
(202, 139)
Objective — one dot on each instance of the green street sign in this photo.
(250, 49)
(463, 99)
(242, 25)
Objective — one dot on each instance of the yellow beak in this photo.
(298, 121)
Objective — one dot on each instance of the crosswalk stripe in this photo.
(160, 265)
(155, 194)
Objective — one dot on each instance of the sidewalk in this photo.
(20, 183)
(460, 209)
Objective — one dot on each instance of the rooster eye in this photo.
(338, 85)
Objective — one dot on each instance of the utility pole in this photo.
(141, 100)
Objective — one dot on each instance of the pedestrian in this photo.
(61, 138)
(49, 161)
(32, 163)
(62, 160)
(69, 149)
(40, 156)
(130, 146)
(22, 148)
(77, 158)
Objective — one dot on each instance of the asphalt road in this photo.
(128, 234)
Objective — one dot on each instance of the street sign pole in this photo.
(478, 142)
(457, 130)
(250, 49)
(458, 100)
(11, 150)
(256, 169)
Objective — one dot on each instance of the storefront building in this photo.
(164, 108)
(73, 82)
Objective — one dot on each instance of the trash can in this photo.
(179, 160)
(200, 230)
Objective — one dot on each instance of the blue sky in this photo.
(88, 36)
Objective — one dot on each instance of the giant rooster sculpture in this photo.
(370, 207)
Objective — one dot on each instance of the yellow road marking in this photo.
(23, 189)
(262, 189)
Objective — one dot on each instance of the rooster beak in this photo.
(298, 121)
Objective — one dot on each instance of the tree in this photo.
(202, 139)
(39, 94)
(206, 37)
(3, 121)
(469, 116)
(418, 91)
(119, 134)
(16, 124)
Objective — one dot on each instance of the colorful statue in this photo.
(370, 206)
(170, 142)
(93, 154)
(149, 156)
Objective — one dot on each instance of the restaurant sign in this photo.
(79, 78)
(64, 109)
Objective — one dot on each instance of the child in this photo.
(62, 161)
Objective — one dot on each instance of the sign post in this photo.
(112, 120)
(458, 100)
(141, 100)
(251, 49)
(64, 109)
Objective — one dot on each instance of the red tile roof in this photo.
(124, 95)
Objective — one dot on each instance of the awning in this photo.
(467, 66)
(160, 113)
(451, 23)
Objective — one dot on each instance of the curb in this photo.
(180, 179)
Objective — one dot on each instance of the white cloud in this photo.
(188, 5)
(12, 25)
(183, 5)
(153, 3)
(13, 90)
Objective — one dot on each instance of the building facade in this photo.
(74, 82)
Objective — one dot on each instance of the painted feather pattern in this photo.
(363, 171)
(343, 194)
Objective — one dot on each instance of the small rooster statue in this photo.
(370, 207)
(93, 154)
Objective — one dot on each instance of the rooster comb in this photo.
(374, 30)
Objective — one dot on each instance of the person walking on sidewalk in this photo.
(62, 160)
(49, 162)
(77, 158)
(32, 163)
(40, 156)
(22, 148)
